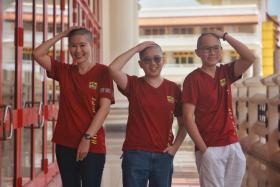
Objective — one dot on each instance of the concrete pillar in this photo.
(257, 67)
(120, 32)
(124, 30)
(169, 57)
(277, 61)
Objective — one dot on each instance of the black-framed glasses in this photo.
(148, 60)
(208, 49)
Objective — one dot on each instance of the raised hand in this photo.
(66, 32)
(216, 32)
(144, 45)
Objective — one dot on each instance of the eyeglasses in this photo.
(208, 49)
(148, 60)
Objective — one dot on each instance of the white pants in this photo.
(221, 166)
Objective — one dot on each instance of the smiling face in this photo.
(151, 61)
(80, 45)
(80, 49)
(209, 50)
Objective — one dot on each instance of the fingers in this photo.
(145, 44)
(71, 29)
(80, 156)
(170, 150)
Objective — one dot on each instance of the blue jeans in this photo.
(139, 167)
(86, 173)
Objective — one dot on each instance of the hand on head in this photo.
(144, 45)
(74, 27)
(216, 32)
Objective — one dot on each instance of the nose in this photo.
(78, 49)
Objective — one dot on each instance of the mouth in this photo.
(79, 56)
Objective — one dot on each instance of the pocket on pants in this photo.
(202, 159)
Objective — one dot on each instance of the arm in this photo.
(115, 67)
(246, 59)
(189, 122)
(181, 134)
(95, 125)
(40, 54)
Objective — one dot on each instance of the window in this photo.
(27, 54)
(183, 57)
(182, 30)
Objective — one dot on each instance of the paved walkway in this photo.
(185, 173)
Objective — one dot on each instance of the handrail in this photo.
(40, 123)
(41, 111)
(7, 109)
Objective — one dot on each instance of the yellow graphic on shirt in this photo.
(93, 101)
(223, 82)
(170, 99)
(94, 140)
(92, 85)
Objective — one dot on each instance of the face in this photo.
(80, 49)
(152, 62)
(210, 50)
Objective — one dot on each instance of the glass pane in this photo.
(49, 89)
(27, 87)
(39, 75)
(8, 86)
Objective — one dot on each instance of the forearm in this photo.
(180, 136)
(121, 60)
(98, 120)
(195, 135)
(115, 67)
(44, 47)
(244, 52)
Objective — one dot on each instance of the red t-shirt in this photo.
(151, 112)
(79, 101)
(213, 100)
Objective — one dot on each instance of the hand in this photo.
(217, 32)
(204, 150)
(66, 32)
(171, 150)
(144, 45)
(82, 150)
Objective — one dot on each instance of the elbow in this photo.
(112, 67)
(252, 59)
(35, 55)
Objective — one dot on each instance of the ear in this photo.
(197, 52)
(140, 63)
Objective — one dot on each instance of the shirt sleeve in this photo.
(56, 68)
(129, 85)
(230, 72)
(190, 91)
(106, 89)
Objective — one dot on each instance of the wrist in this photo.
(87, 136)
(224, 36)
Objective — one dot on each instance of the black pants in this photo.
(86, 173)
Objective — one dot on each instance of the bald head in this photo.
(81, 31)
(202, 36)
(142, 53)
